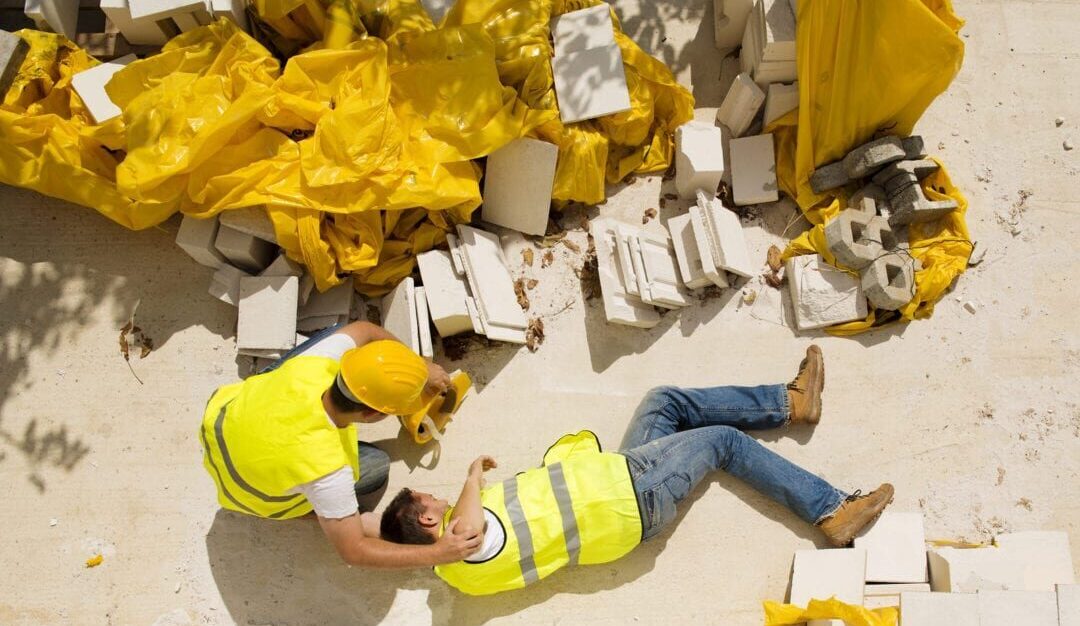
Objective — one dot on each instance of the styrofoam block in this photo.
(753, 170)
(58, 16)
(1068, 604)
(490, 279)
(267, 316)
(423, 321)
(517, 185)
(727, 240)
(740, 105)
(225, 284)
(895, 548)
(939, 609)
(822, 574)
(584, 29)
(90, 85)
(399, 314)
(590, 84)
(336, 301)
(780, 100)
(143, 32)
(686, 252)
(1044, 557)
(699, 158)
(823, 295)
(243, 250)
(1012, 608)
(729, 24)
(253, 221)
(160, 9)
(703, 240)
(966, 570)
(283, 266)
(196, 237)
(658, 278)
(446, 293)
(619, 306)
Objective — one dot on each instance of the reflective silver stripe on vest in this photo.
(521, 531)
(219, 436)
(566, 511)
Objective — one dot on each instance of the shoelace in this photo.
(793, 385)
(855, 496)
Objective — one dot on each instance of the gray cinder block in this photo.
(828, 177)
(862, 161)
(875, 194)
(857, 239)
(907, 202)
(914, 147)
(12, 53)
(889, 282)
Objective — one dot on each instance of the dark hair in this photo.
(400, 521)
(342, 403)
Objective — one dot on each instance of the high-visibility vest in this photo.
(579, 507)
(264, 436)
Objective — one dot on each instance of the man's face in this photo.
(369, 416)
(433, 507)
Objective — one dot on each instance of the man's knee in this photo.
(662, 395)
(729, 442)
(374, 469)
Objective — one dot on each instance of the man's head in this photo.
(378, 379)
(413, 518)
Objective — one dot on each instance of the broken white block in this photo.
(492, 284)
(446, 293)
(399, 314)
(658, 279)
(823, 295)
(1012, 608)
(619, 306)
(780, 100)
(196, 237)
(590, 84)
(584, 29)
(56, 16)
(740, 105)
(686, 252)
(474, 315)
(775, 22)
(517, 184)
(753, 170)
(267, 316)
(1043, 558)
(939, 609)
(966, 570)
(243, 250)
(729, 24)
(225, 284)
(90, 85)
(1068, 605)
(423, 321)
(895, 547)
(822, 574)
(253, 221)
(627, 268)
(725, 235)
(335, 301)
(144, 32)
(699, 158)
(700, 227)
(878, 596)
(283, 266)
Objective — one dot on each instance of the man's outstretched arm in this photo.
(356, 548)
(468, 510)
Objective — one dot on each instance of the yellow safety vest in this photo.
(579, 507)
(268, 434)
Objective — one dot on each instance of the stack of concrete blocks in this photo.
(699, 158)
(780, 99)
(494, 306)
(741, 105)
(145, 32)
(865, 161)
(864, 242)
(895, 547)
(517, 185)
(446, 292)
(908, 204)
(729, 22)
(321, 309)
(768, 43)
(90, 85)
(401, 317)
(1023, 561)
(753, 170)
(621, 305)
(590, 81)
(54, 16)
(823, 295)
(823, 574)
(13, 51)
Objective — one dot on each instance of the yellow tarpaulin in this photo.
(790, 614)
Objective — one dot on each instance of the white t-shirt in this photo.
(332, 496)
(494, 539)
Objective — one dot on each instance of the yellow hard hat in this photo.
(385, 375)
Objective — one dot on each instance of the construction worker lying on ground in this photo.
(587, 506)
(283, 443)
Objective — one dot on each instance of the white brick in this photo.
(822, 574)
(584, 29)
(780, 100)
(658, 278)
(143, 32)
(966, 570)
(619, 306)
(160, 9)
(895, 548)
(399, 314)
(336, 301)
(878, 596)
(423, 321)
(775, 22)
(699, 158)
(1044, 558)
(490, 279)
(496, 332)
(267, 317)
(283, 266)
(590, 84)
(90, 85)
(686, 252)
(253, 221)
(740, 105)
(225, 284)
(753, 170)
(1068, 603)
(446, 293)
(939, 609)
(1013, 608)
(58, 16)
(196, 237)
(517, 185)
(703, 240)
(727, 240)
(243, 250)
(729, 24)
(823, 295)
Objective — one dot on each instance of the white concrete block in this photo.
(822, 574)
(780, 100)
(626, 265)
(161, 9)
(939, 609)
(496, 332)
(267, 316)
(753, 170)
(768, 72)
(823, 295)
(1068, 604)
(1013, 608)
(740, 105)
(703, 240)
(399, 314)
(686, 252)
(727, 240)
(423, 321)
(699, 158)
(895, 547)
(491, 283)
(967, 570)
(446, 293)
(57, 16)
(658, 278)
(243, 250)
(185, 21)
(196, 237)
(90, 85)
(1044, 558)
(143, 32)
(584, 29)
(619, 306)
(232, 10)
(590, 84)
(729, 23)
(775, 22)
(455, 254)
(336, 301)
(474, 315)
(878, 596)
(253, 221)
(225, 284)
(517, 185)
(283, 266)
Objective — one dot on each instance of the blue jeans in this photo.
(374, 463)
(679, 435)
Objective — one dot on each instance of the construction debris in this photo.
(857, 238)
(780, 99)
(889, 282)
(839, 573)
(730, 22)
(13, 52)
(54, 16)
(243, 250)
(699, 158)
(491, 285)
(446, 293)
(740, 106)
(590, 81)
(753, 170)
(620, 306)
(90, 85)
(517, 185)
(895, 547)
(768, 43)
(823, 295)
(252, 221)
(266, 320)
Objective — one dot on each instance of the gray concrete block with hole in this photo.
(889, 282)
(828, 177)
(896, 176)
(914, 147)
(864, 160)
(911, 206)
(856, 238)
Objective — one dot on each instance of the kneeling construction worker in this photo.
(587, 506)
(283, 444)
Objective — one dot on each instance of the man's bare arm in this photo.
(366, 332)
(356, 548)
(468, 509)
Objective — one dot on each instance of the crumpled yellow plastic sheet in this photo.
(788, 614)
(868, 69)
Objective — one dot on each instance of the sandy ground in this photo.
(973, 416)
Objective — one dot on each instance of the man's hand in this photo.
(455, 545)
(438, 380)
(479, 466)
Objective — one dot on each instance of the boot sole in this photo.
(817, 383)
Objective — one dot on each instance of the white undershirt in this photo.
(494, 539)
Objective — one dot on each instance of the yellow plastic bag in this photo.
(788, 614)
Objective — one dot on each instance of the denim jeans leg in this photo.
(374, 469)
(667, 410)
(312, 340)
(666, 470)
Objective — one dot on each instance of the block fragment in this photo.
(895, 547)
(658, 280)
(517, 184)
(878, 596)
(243, 250)
(740, 105)
(878, 201)
(144, 32)
(13, 52)
(914, 147)
(1068, 605)
(90, 85)
(829, 177)
(312, 324)
(889, 282)
(869, 157)
(283, 266)
(968, 570)
(267, 315)
(729, 23)
(399, 314)
(686, 252)
(446, 293)
(492, 284)
(619, 306)
(1011, 608)
(780, 100)
(196, 237)
(336, 301)
(823, 295)
(699, 158)
(584, 29)
(225, 284)
(253, 221)
(857, 238)
(627, 267)
(822, 574)
(939, 609)
(455, 254)
(768, 43)
(590, 83)
(423, 321)
(162, 9)
(911, 206)
(704, 245)
(726, 239)
(55, 16)
(1044, 557)
(474, 315)
(753, 170)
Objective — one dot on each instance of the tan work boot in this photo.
(804, 392)
(854, 514)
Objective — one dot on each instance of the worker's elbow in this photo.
(354, 557)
